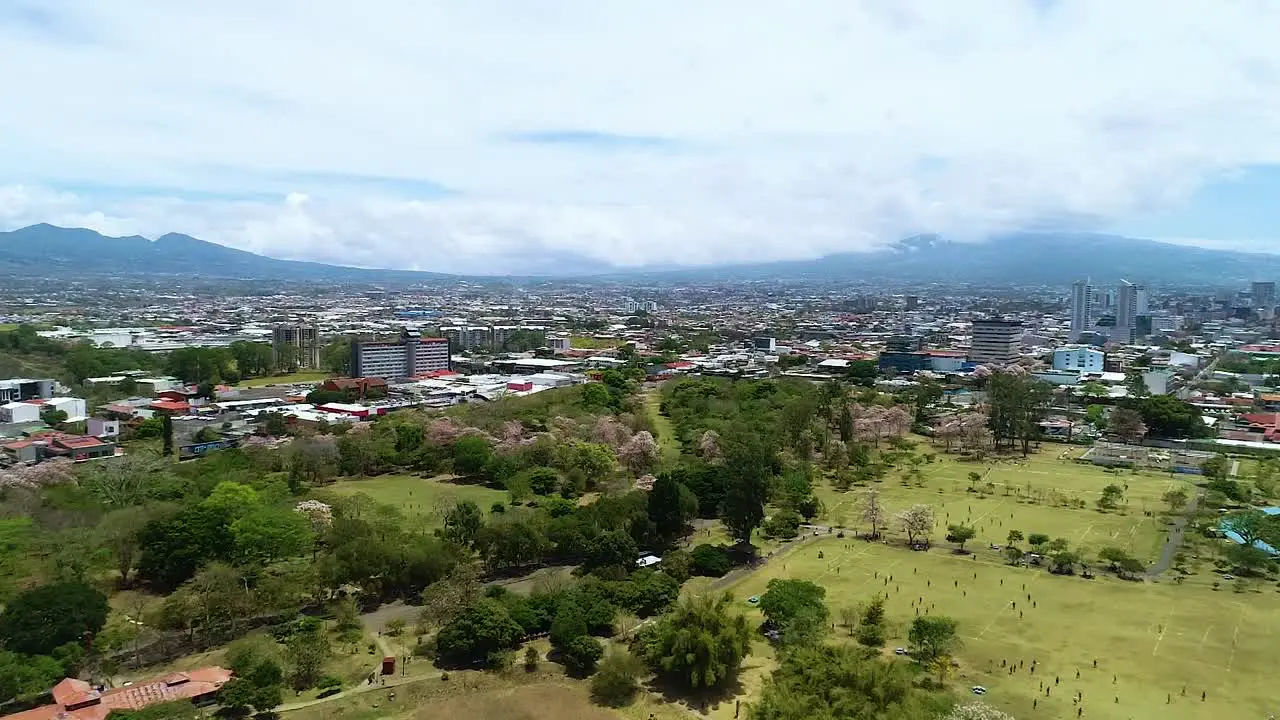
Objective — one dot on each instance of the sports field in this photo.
(1040, 494)
(425, 497)
(304, 376)
(1150, 640)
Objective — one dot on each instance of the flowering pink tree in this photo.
(441, 432)
(897, 420)
(709, 445)
(640, 454)
(610, 432)
(34, 477)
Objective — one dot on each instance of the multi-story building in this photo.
(995, 342)
(904, 344)
(1081, 358)
(632, 306)
(405, 358)
(1131, 303)
(298, 344)
(1264, 294)
(19, 389)
(1081, 309)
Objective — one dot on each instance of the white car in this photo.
(978, 690)
(899, 651)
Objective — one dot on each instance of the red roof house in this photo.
(78, 700)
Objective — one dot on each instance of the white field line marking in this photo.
(1235, 635)
(1164, 628)
(1204, 637)
(1007, 606)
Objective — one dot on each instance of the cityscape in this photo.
(614, 361)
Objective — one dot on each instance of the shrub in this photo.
(710, 561)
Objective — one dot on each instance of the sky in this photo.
(494, 137)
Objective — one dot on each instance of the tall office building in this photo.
(995, 342)
(300, 343)
(1131, 303)
(1264, 294)
(1081, 309)
(408, 357)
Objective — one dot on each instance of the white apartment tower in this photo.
(1131, 302)
(1081, 309)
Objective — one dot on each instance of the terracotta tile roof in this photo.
(77, 700)
(169, 405)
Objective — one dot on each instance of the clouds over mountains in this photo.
(474, 136)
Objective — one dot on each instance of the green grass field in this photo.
(298, 377)
(8, 327)
(1150, 639)
(586, 342)
(1031, 495)
(425, 497)
(663, 428)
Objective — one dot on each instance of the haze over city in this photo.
(467, 137)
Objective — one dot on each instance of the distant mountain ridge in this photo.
(1027, 258)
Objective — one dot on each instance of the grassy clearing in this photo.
(1024, 499)
(8, 327)
(663, 428)
(1149, 639)
(586, 342)
(307, 376)
(425, 497)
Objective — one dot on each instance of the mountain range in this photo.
(1025, 258)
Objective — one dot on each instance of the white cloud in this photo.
(794, 129)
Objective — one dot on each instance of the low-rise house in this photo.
(78, 700)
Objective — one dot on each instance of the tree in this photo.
(613, 549)
(873, 512)
(710, 561)
(840, 683)
(119, 531)
(530, 659)
(478, 635)
(1168, 417)
(570, 623)
(783, 524)
(785, 600)
(1176, 499)
(1037, 541)
(1248, 525)
(470, 454)
(671, 506)
(640, 454)
(541, 480)
(617, 680)
(257, 685)
(1063, 562)
(1127, 423)
(1216, 468)
(960, 534)
(266, 534)
(1247, 559)
(1013, 554)
(700, 643)
(749, 463)
(932, 637)
(444, 600)
(166, 433)
(27, 675)
(977, 711)
(581, 655)
(52, 416)
(307, 653)
(917, 523)
(1014, 537)
(871, 632)
(462, 523)
(1017, 403)
(311, 462)
(43, 618)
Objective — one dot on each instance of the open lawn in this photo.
(587, 342)
(663, 429)
(298, 377)
(425, 497)
(1038, 494)
(8, 327)
(1150, 640)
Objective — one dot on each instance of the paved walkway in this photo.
(1171, 545)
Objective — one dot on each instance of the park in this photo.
(485, 561)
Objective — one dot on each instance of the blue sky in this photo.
(490, 135)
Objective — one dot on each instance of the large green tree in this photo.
(823, 682)
(671, 507)
(700, 644)
(932, 637)
(43, 618)
(478, 635)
